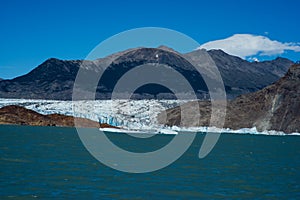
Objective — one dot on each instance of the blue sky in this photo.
(33, 31)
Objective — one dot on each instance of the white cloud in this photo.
(244, 45)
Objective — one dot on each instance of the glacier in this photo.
(134, 115)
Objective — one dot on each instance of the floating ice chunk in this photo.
(167, 131)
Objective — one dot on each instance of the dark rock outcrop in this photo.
(276, 107)
(21, 116)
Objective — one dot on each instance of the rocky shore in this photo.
(18, 115)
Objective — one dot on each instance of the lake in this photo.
(51, 162)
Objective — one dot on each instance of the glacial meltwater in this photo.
(51, 162)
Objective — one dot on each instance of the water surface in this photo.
(51, 162)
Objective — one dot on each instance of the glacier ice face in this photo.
(132, 114)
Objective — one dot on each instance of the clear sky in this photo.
(34, 30)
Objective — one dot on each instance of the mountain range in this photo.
(54, 78)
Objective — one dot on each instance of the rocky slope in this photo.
(54, 79)
(21, 116)
(276, 107)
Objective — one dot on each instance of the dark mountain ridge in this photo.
(54, 78)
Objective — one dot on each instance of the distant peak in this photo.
(52, 59)
(281, 58)
(218, 51)
(196, 52)
(213, 51)
(56, 61)
(163, 47)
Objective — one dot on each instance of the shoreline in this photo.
(166, 131)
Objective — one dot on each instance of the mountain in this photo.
(276, 107)
(241, 76)
(153, 57)
(54, 78)
(21, 116)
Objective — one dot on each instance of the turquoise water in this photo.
(51, 162)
